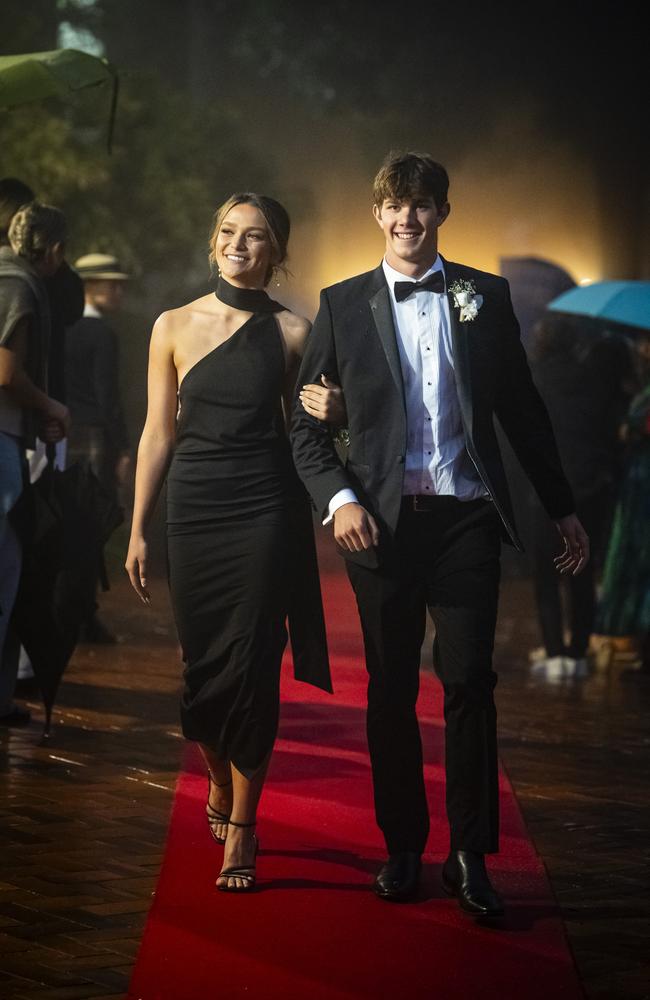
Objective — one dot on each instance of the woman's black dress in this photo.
(235, 525)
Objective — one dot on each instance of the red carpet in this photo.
(314, 930)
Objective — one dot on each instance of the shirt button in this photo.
(428, 383)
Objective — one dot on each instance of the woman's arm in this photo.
(155, 449)
(20, 387)
(294, 331)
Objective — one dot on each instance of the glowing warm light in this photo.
(495, 214)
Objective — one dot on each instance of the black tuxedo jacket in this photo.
(353, 342)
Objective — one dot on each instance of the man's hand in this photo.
(575, 555)
(325, 402)
(354, 528)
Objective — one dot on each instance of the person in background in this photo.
(98, 435)
(36, 237)
(585, 378)
(624, 608)
(65, 292)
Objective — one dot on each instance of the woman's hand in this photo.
(60, 413)
(325, 402)
(122, 469)
(55, 422)
(50, 431)
(136, 567)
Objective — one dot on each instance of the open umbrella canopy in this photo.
(626, 302)
(38, 75)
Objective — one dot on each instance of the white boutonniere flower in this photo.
(466, 299)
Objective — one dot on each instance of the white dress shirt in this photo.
(436, 461)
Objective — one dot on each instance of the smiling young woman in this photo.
(241, 554)
(249, 239)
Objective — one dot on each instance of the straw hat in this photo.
(102, 266)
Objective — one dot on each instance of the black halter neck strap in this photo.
(253, 300)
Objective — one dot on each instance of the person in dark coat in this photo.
(36, 236)
(65, 294)
(98, 435)
(585, 380)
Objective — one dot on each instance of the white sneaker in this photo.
(555, 668)
(576, 667)
(551, 668)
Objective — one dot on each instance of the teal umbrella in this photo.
(38, 75)
(626, 302)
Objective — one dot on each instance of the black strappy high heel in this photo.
(215, 817)
(246, 872)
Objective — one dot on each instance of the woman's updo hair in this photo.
(34, 229)
(277, 221)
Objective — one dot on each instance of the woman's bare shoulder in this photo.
(173, 321)
(185, 313)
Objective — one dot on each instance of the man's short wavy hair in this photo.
(409, 175)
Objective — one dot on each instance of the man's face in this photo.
(105, 295)
(410, 227)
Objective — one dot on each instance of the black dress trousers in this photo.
(447, 560)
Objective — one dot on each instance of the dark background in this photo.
(538, 112)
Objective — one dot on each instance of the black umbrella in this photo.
(64, 520)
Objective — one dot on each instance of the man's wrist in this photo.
(343, 496)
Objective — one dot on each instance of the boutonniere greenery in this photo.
(466, 299)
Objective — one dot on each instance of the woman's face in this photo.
(243, 247)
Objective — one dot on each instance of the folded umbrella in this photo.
(64, 520)
(35, 76)
(625, 302)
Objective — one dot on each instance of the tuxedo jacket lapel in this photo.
(383, 316)
(460, 349)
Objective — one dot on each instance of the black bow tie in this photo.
(434, 283)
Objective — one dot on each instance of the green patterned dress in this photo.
(625, 602)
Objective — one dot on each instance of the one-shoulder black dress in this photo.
(240, 548)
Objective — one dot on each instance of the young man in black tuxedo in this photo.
(427, 352)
